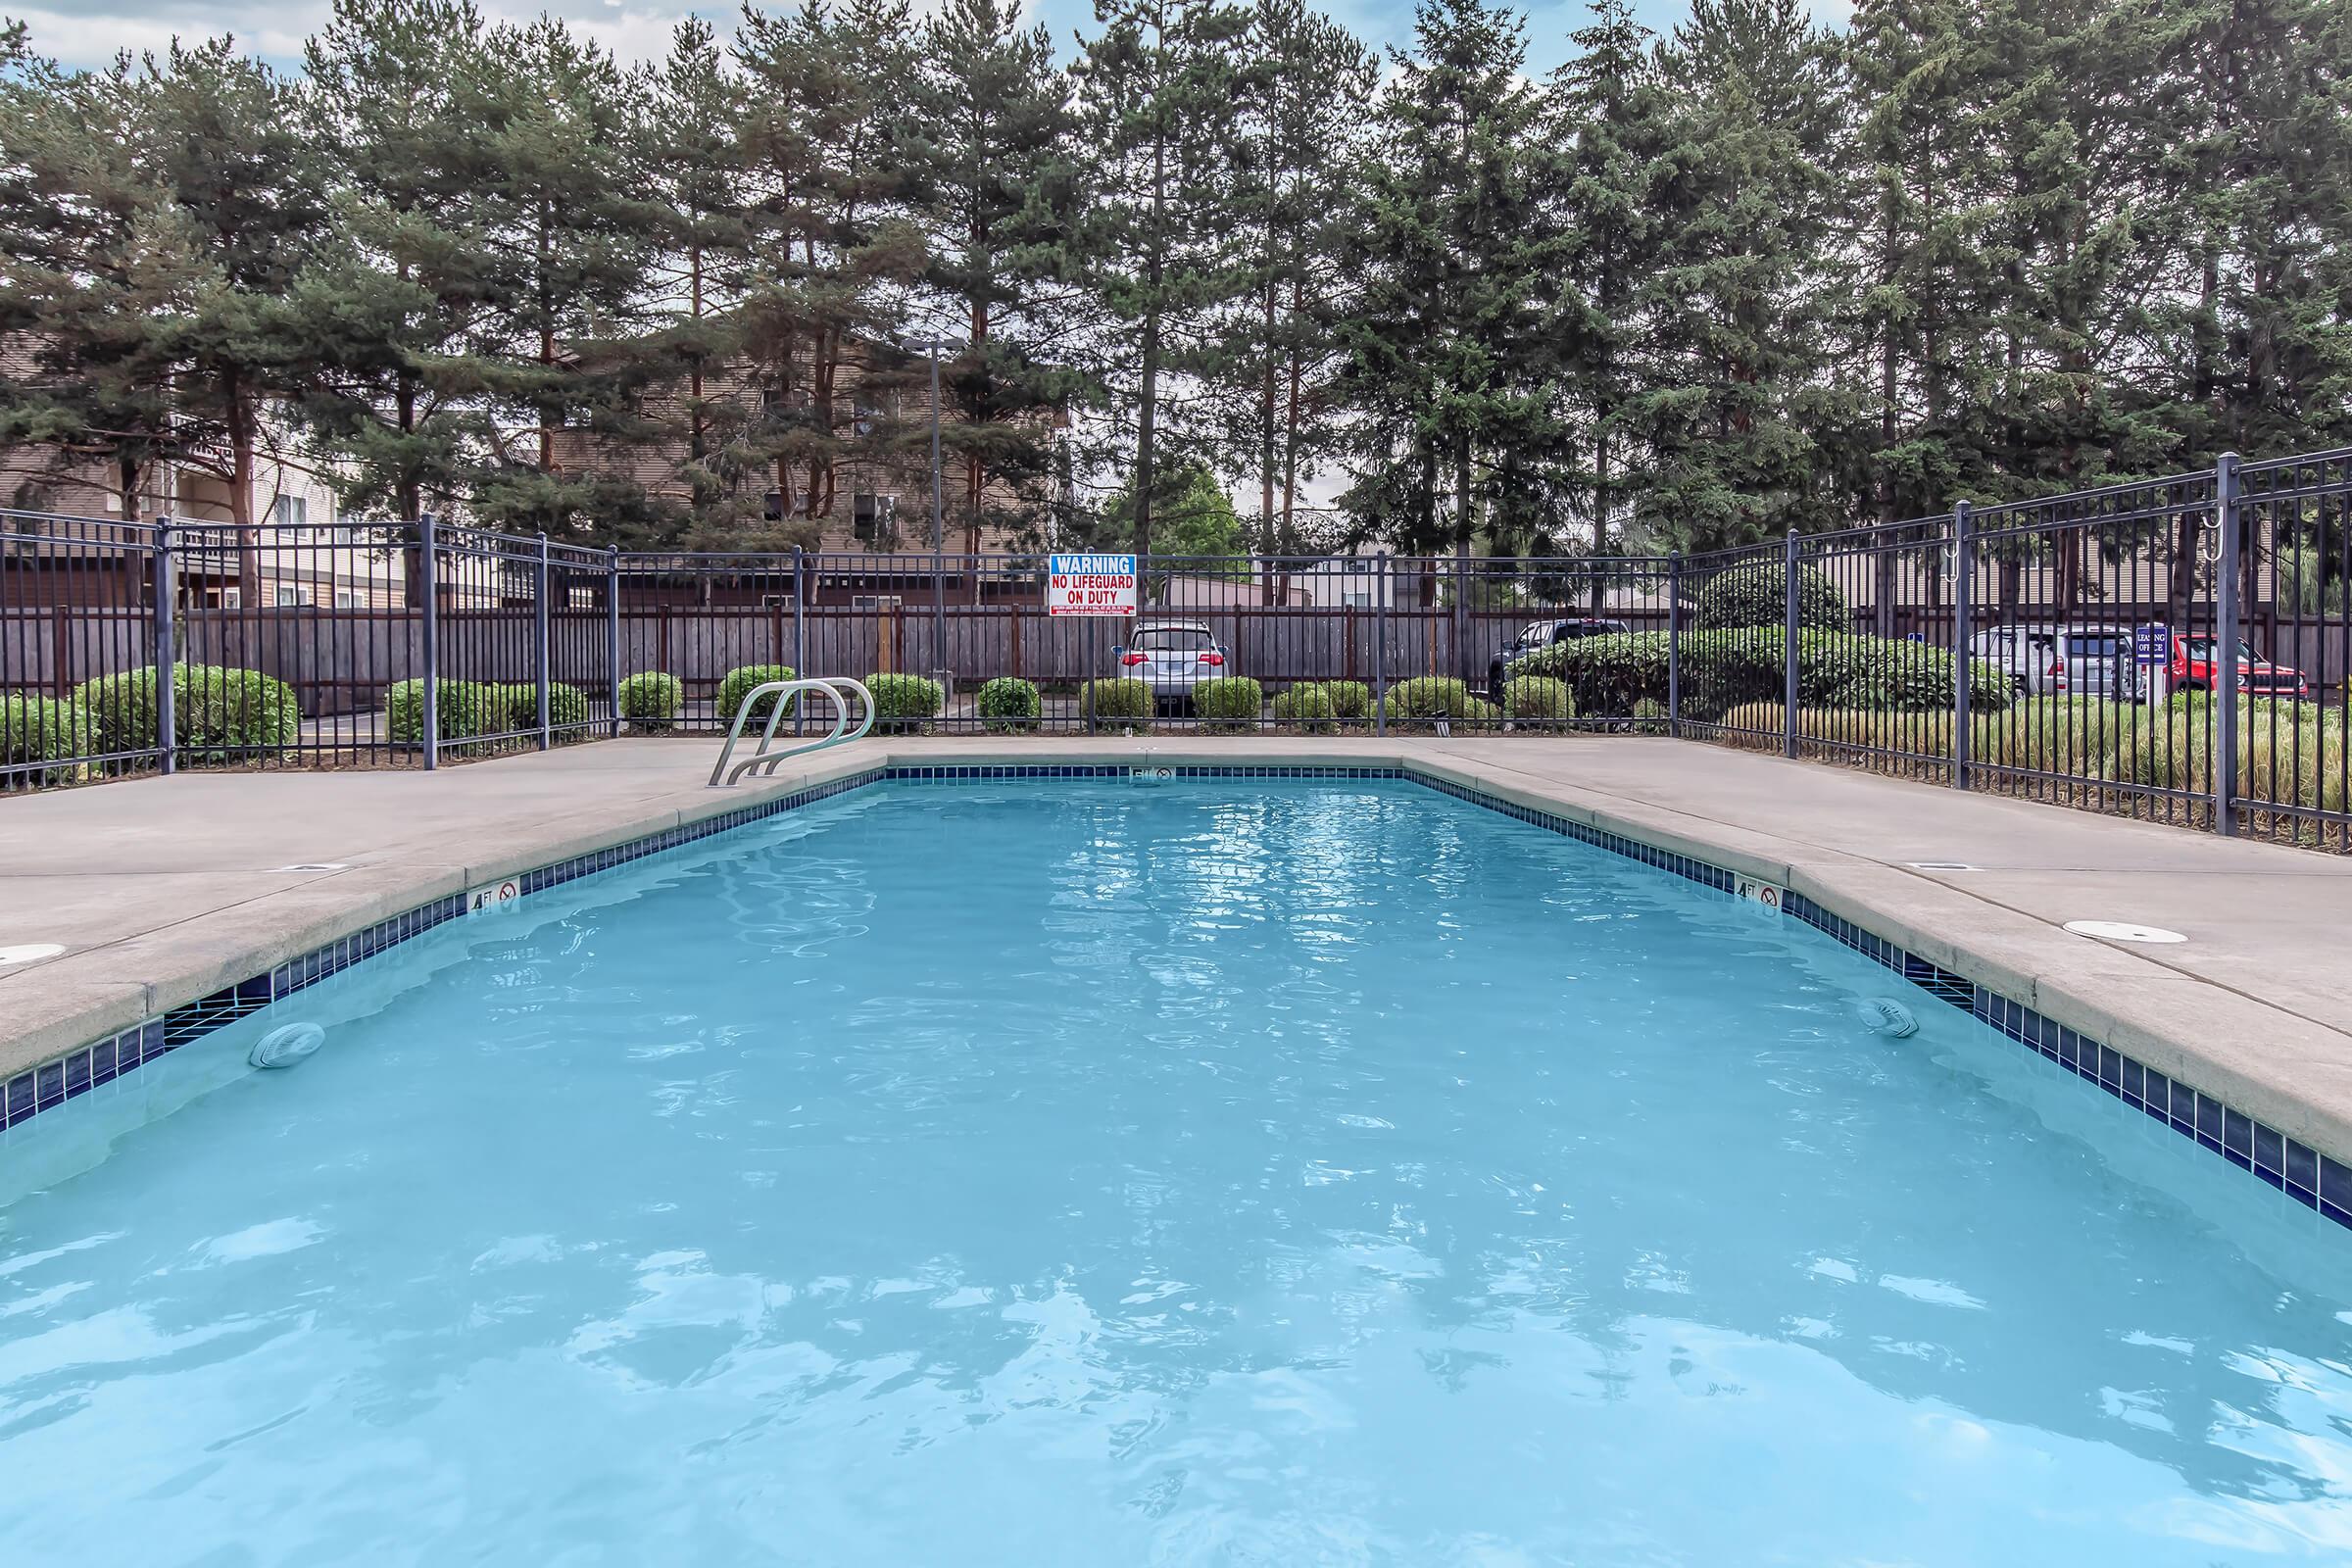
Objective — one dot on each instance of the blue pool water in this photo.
(1099, 1174)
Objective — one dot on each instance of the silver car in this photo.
(2027, 655)
(1172, 656)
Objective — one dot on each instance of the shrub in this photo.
(1009, 704)
(41, 729)
(1350, 699)
(1229, 704)
(464, 709)
(1611, 675)
(1306, 706)
(1537, 697)
(903, 704)
(1419, 703)
(739, 684)
(649, 701)
(1650, 717)
(1121, 704)
(218, 713)
(517, 707)
(1758, 596)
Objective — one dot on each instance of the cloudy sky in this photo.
(637, 28)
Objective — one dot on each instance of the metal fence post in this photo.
(1380, 648)
(1674, 644)
(1964, 571)
(428, 582)
(167, 655)
(2225, 639)
(1789, 648)
(612, 642)
(799, 630)
(545, 630)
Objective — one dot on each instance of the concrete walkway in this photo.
(163, 890)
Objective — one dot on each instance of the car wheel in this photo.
(1497, 680)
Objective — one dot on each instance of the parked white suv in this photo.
(1172, 656)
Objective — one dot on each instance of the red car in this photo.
(2194, 655)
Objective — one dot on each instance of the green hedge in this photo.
(1417, 704)
(519, 707)
(905, 703)
(41, 729)
(218, 713)
(1350, 699)
(649, 701)
(1537, 697)
(738, 684)
(1009, 704)
(1758, 596)
(1612, 675)
(463, 707)
(1306, 707)
(1120, 703)
(1228, 704)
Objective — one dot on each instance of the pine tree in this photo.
(702, 263)
(569, 265)
(1302, 100)
(821, 131)
(1737, 299)
(998, 193)
(1155, 95)
(242, 201)
(1456, 277)
(1916, 314)
(79, 292)
(1612, 120)
(392, 307)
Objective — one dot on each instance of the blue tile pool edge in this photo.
(2314, 1180)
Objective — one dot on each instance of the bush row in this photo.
(1723, 670)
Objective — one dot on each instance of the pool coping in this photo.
(2158, 1059)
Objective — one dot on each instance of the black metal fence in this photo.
(2069, 649)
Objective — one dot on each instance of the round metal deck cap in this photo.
(31, 950)
(2123, 931)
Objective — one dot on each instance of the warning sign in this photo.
(1090, 585)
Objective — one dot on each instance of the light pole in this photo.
(939, 587)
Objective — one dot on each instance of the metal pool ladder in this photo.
(775, 693)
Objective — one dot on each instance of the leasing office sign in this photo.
(1090, 585)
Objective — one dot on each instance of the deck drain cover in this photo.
(31, 950)
(315, 865)
(1941, 866)
(2123, 931)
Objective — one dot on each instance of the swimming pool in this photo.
(1211, 1172)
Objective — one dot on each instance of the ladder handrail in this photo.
(778, 691)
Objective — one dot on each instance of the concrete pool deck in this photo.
(162, 889)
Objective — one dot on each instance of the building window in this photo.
(346, 599)
(290, 596)
(288, 512)
(872, 517)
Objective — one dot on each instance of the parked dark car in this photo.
(1542, 634)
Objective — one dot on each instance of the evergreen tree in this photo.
(1737, 299)
(1155, 95)
(393, 306)
(1302, 100)
(242, 199)
(702, 262)
(1916, 313)
(821, 131)
(568, 262)
(1455, 281)
(998, 193)
(1612, 121)
(79, 294)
